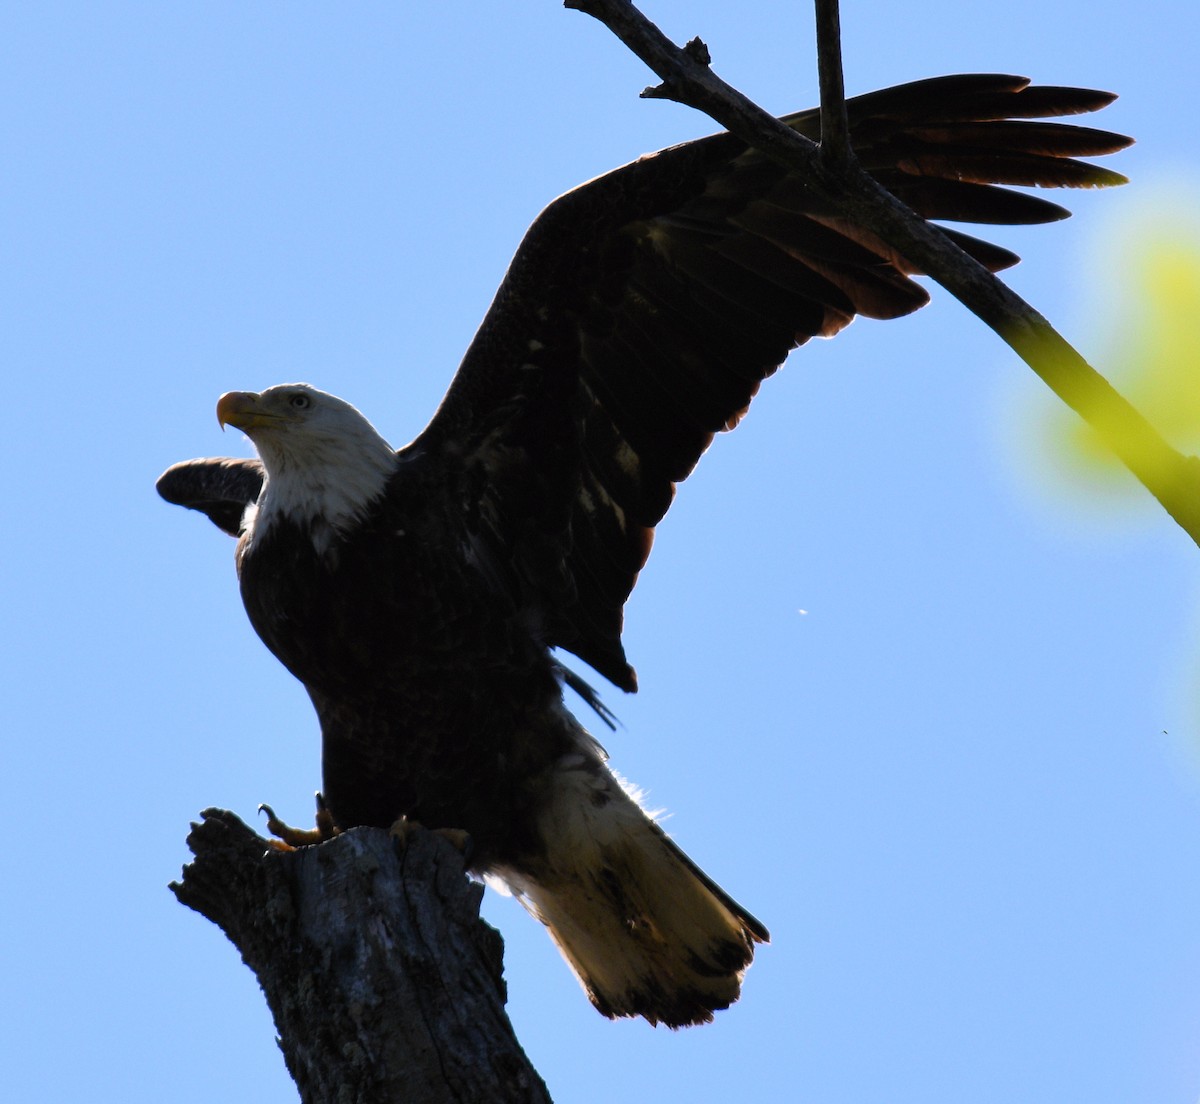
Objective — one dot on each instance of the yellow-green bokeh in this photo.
(1145, 319)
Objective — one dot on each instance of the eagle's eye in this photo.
(300, 402)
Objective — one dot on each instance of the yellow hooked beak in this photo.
(244, 410)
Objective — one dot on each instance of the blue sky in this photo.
(925, 707)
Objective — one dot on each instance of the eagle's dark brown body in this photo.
(439, 701)
(436, 697)
(417, 594)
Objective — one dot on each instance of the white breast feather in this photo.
(323, 472)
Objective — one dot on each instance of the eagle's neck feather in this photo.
(324, 485)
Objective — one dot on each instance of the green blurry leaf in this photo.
(1150, 346)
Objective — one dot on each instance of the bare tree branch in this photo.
(384, 983)
(1173, 479)
(836, 147)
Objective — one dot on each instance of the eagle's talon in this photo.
(325, 824)
(288, 838)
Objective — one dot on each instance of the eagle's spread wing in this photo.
(221, 487)
(643, 310)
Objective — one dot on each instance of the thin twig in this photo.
(1171, 477)
(836, 147)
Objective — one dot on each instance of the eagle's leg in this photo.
(287, 837)
(402, 828)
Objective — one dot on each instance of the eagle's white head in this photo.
(325, 462)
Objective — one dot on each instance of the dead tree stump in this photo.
(385, 985)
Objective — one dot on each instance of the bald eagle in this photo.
(418, 593)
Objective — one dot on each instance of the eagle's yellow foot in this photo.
(460, 837)
(402, 828)
(288, 838)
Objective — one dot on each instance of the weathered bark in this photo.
(385, 984)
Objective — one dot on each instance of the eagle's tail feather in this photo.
(645, 930)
